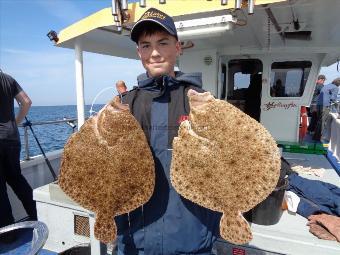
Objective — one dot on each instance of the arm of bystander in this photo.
(24, 105)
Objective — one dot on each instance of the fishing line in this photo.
(95, 98)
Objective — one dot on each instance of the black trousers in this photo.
(10, 173)
(313, 122)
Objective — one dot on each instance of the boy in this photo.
(167, 223)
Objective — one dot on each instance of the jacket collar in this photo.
(146, 82)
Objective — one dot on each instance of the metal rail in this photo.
(50, 122)
(71, 122)
(40, 234)
(335, 107)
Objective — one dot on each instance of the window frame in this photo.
(299, 64)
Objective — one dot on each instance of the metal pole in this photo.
(114, 12)
(27, 152)
(64, 120)
(125, 5)
(238, 4)
(142, 3)
(117, 17)
(79, 84)
(273, 20)
(250, 6)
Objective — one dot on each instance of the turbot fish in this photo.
(224, 160)
(107, 167)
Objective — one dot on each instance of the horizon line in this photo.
(62, 105)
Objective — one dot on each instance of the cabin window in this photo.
(288, 79)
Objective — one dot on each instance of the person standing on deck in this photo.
(327, 97)
(121, 87)
(10, 171)
(168, 223)
(313, 106)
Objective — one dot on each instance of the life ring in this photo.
(303, 123)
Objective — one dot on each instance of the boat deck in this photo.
(290, 235)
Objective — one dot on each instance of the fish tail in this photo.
(235, 229)
(105, 228)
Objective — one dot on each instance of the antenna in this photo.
(114, 9)
(125, 6)
(237, 4)
(142, 3)
(251, 6)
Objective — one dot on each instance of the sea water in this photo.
(50, 136)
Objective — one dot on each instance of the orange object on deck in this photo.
(303, 123)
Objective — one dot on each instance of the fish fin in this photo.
(235, 229)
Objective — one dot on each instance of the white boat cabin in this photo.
(265, 63)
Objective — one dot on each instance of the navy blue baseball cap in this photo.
(155, 16)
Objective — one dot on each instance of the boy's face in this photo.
(158, 53)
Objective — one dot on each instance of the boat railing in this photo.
(40, 234)
(71, 122)
(336, 107)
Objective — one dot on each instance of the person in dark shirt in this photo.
(253, 97)
(121, 87)
(328, 96)
(10, 171)
(313, 106)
